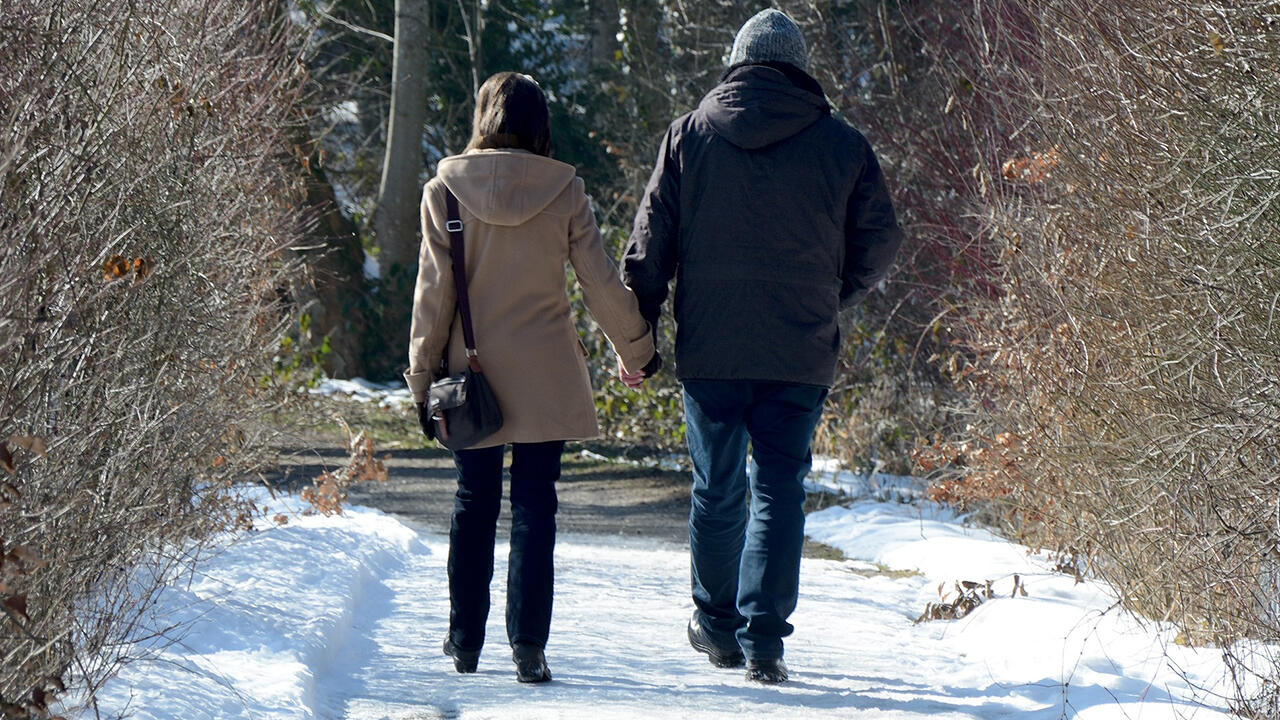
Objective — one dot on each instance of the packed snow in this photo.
(343, 617)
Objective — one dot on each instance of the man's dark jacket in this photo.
(772, 216)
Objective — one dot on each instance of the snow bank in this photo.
(1072, 638)
(261, 620)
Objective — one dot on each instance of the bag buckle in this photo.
(453, 226)
(472, 353)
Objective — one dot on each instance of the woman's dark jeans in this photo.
(535, 467)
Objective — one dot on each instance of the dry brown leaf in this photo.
(39, 701)
(29, 443)
(115, 267)
(17, 604)
(28, 557)
(141, 269)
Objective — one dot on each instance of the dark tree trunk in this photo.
(604, 33)
(334, 292)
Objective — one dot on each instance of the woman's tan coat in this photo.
(523, 216)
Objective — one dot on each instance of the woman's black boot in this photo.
(464, 661)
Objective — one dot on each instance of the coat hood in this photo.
(505, 187)
(759, 105)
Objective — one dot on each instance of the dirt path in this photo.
(596, 497)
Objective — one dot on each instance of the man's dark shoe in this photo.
(769, 672)
(464, 661)
(531, 664)
(721, 655)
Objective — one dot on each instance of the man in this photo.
(772, 216)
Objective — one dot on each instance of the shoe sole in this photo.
(713, 653)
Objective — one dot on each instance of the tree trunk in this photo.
(604, 33)
(396, 217)
(395, 220)
(475, 49)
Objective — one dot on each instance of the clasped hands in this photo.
(636, 379)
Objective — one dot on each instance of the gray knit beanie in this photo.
(769, 36)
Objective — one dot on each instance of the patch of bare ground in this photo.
(597, 497)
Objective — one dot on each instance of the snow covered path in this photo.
(618, 648)
(328, 618)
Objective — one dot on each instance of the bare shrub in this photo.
(144, 209)
(880, 66)
(1125, 381)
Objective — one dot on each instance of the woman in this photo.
(524, 215)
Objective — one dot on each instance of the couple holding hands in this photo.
(771, 215)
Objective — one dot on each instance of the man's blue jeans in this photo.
(746, 565)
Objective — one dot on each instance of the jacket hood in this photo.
(759, 105)
(505, 187)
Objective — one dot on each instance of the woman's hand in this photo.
(424, 420)
(433, 426)
(631, 380)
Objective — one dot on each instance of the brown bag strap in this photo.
(458, 256)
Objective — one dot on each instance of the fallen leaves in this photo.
(968, 596)
(328, 491)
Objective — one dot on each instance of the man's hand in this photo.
(631, 380)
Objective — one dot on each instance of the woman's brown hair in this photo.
(511, 112)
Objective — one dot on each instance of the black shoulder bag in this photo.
(462, 406)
